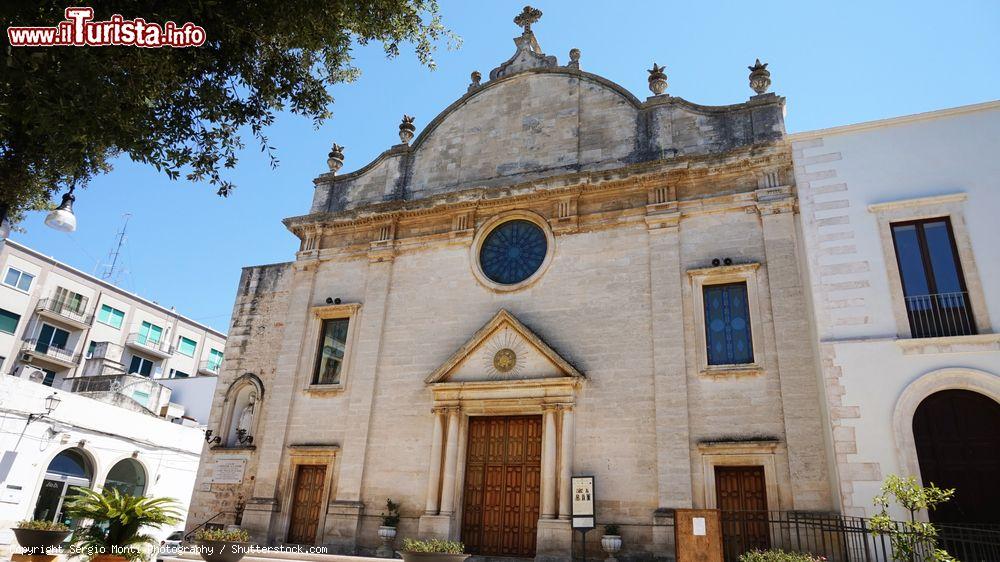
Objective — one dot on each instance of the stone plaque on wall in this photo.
(228, 471)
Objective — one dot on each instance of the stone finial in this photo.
(406, 129)
(574, 58)
(657, 79)
(476, 78)
(335, 160)
(760, 77)
(527, 17)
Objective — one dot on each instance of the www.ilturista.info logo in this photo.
(78, 30)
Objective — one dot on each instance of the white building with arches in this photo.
(83, 442)
(899, 221)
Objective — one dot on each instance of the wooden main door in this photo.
(741, 494)
(502, 485)
(957, 435)
(307, 503)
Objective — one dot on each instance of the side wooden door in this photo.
(741, 495)
(307, 501)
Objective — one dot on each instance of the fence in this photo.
(841, 538)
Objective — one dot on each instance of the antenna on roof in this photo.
(109, 268)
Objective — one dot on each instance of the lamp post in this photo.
(61, 218)
(52, 402)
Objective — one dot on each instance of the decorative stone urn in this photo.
(657, 79)
(760, 77)
(406, 129)
(387, 535)
(335, 160)
(611, 544)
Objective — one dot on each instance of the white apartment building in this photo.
(75, 332)
(900, 229)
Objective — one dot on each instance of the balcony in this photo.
(44, 352)
(130, 391)
(64, 312)
(940, 315)
(141, 342)
(209, 367)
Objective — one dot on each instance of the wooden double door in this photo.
(502, 485)
(741, 495)
(307, 503)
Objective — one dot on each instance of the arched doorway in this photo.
(958, 446)
(69, 469)
(128, 477)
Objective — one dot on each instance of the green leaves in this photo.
(66, 112)
(912, 538)
(433, 545)
(116, 521)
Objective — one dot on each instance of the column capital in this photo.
(567, 407)
(445, 409)
(550, 407)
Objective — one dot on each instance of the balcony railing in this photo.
(211, 367)
(65, 310)
(46, 349)
(940, 315)
(142, 341)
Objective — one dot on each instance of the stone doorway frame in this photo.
(325, 455)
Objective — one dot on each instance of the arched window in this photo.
(128, 477)
(243, 404)
(69, 470)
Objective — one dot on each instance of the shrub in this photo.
(908, 538)
(391, 519)
(433, 545)
(41, 525)
(222, 535)
(118, 521)
(612, 529)
(778, 555)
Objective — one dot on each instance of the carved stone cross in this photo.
(527, 17)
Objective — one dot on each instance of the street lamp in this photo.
(51, 403)
(62, 218)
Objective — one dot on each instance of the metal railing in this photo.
(210, 367)
(146, 342)
(939, 315)
(49, 350)
(841, 538)
(66, 310)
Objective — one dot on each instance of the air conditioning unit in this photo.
(25, 358)
(33, 374)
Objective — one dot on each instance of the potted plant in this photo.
(222, 545)
(433, 550)
(37, 536)
(387, 532)
(117, 522)
(611, 542)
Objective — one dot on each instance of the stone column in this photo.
(434, 473)
(566, 465)
(450, 464)
(549, 463)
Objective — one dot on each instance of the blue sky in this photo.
(835, 62)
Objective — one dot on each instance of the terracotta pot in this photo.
(222, 551)
(433, 557)
(35, 541)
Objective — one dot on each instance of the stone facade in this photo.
(642, 203)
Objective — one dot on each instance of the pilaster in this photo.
(797, 366)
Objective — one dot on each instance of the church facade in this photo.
(554, 278)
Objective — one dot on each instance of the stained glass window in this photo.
(513, 252)
(727, 324)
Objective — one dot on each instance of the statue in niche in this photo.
(245, 422)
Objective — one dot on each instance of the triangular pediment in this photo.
(503, 350)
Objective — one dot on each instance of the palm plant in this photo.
(117, 521)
